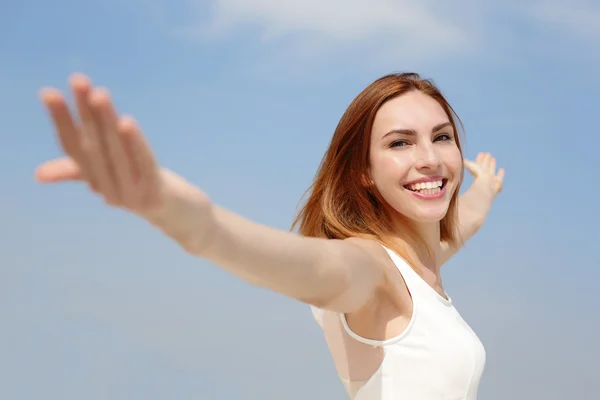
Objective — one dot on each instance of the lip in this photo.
(426, 179)
(424, 196)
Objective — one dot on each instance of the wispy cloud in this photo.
(327, 27)
(338, 19)
(391, 30)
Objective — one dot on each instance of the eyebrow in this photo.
(412, 132)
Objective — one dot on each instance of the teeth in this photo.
(426, 186)
(430, 191)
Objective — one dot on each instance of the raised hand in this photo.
(476, 202)
(109, 153)
(487, 181)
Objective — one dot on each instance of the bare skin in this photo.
(109, 153)
(475, 203)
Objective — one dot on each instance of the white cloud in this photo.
(376, 27)
(392, 30)
(339, 19)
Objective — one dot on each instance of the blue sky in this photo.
(241, 97)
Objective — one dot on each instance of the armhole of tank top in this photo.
(380, 343)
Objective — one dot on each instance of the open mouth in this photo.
(433, 187)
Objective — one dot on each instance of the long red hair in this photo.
(341, 201)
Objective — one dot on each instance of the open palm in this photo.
(105, 150)
(487, 183)
(484, 172)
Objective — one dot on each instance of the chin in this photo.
(425, 215)
(421, 216)
(427, 218)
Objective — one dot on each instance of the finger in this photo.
(492, 165)
(500, 178)
(107, 121)
(144, 167)
(485, 161)
(95, 154)
(66, 128)
(62, 169)
(472, 167)
(479, 158)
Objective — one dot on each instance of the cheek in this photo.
(454, 161)
(397, 165)
(389, 168)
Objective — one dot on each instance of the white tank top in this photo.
(437, 357)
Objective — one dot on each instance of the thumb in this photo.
(62, 169)
(472, 167)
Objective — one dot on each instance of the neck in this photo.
(430, 233)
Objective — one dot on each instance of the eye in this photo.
(399, 143)
(443, 137)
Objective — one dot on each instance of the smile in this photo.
(428, 190)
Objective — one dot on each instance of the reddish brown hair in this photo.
(342, 203)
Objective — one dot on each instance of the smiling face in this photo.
(415, 162)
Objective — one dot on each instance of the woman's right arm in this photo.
(111, 155)
(339, 275)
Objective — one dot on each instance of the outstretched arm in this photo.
(110, 154)
(475, 204)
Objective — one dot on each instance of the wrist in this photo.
(185, 213)
(477, 201)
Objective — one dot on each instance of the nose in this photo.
(427, 157)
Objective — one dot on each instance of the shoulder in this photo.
(377, 252)
(392, 285)
(392, 281)
(362, 270)
(372, 246)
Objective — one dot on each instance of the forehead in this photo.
(412, 110)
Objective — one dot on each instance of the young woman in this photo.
(381, 218)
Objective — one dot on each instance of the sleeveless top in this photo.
(437, 356)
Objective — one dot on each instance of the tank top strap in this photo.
(415, 283)
(408, 273)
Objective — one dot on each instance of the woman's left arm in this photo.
(476, 202)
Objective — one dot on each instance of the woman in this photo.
(381, 218)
